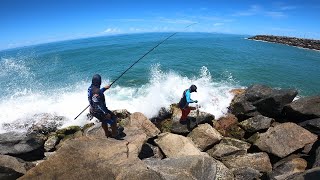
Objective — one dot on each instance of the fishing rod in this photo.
(136, 63)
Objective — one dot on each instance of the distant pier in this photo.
(292, 41)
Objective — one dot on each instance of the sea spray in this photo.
(162, 89)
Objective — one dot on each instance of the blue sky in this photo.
(28, 22)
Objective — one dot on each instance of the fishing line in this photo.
(137, 62)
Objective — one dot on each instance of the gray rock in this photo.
(204, 136)
(246, 173)
(256, 123)
(311, 174)
(51, 142)
(261, 99)
(173, 145)
(178, 128)
(312, 125)
(164, 113)
(140, 121)
(269, 102)
(317, 158)
(220, 151)
(150, 151)
(287, 167)
(284, 139)
(303, 109)
(229, 146)
(20, 143)
(236, 143)
(190, 168)
(242, 108)
(12, 168)
(95, 156)
(122, 113)
(258, 161)
(228, 126)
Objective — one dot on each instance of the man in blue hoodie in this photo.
(184, 103)
(98, 107)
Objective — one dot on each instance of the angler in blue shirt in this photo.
(184, 103)
(99, 109)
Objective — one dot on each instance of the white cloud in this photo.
(218, 24)
(112, 31)
(288, 8)
(275, 14)
(253, 10)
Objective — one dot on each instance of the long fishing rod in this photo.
(136, 63)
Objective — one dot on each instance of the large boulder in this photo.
(190, 168)
(287, 167)
(220, 151)
(14, 143)
(258, 161)
(261, 99)
(204, 136)
(256, 123)
(312, 125)
(94, 156)
(228, 126)
(284, 139)
(140, 122)
(303, 109)
(229, 146)
(12, 168)
(174, 145)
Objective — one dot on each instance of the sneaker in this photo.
(117, 137)
(119, 134)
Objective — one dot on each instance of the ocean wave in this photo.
(162, 89)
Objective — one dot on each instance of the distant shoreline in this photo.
(291, 41)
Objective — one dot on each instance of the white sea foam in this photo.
(162, 90)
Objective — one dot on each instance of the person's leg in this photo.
(106, 130)
(102, 118)
(114, 129)
(185, 113)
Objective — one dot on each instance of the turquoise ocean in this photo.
(53, 78)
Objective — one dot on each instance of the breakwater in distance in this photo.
(292, 41)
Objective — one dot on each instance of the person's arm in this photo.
(189, 100)
(102, 90)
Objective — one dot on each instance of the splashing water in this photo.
(162, 90)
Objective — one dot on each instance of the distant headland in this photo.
(292, 41)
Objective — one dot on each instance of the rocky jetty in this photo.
(292, 41)
(266, 135)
